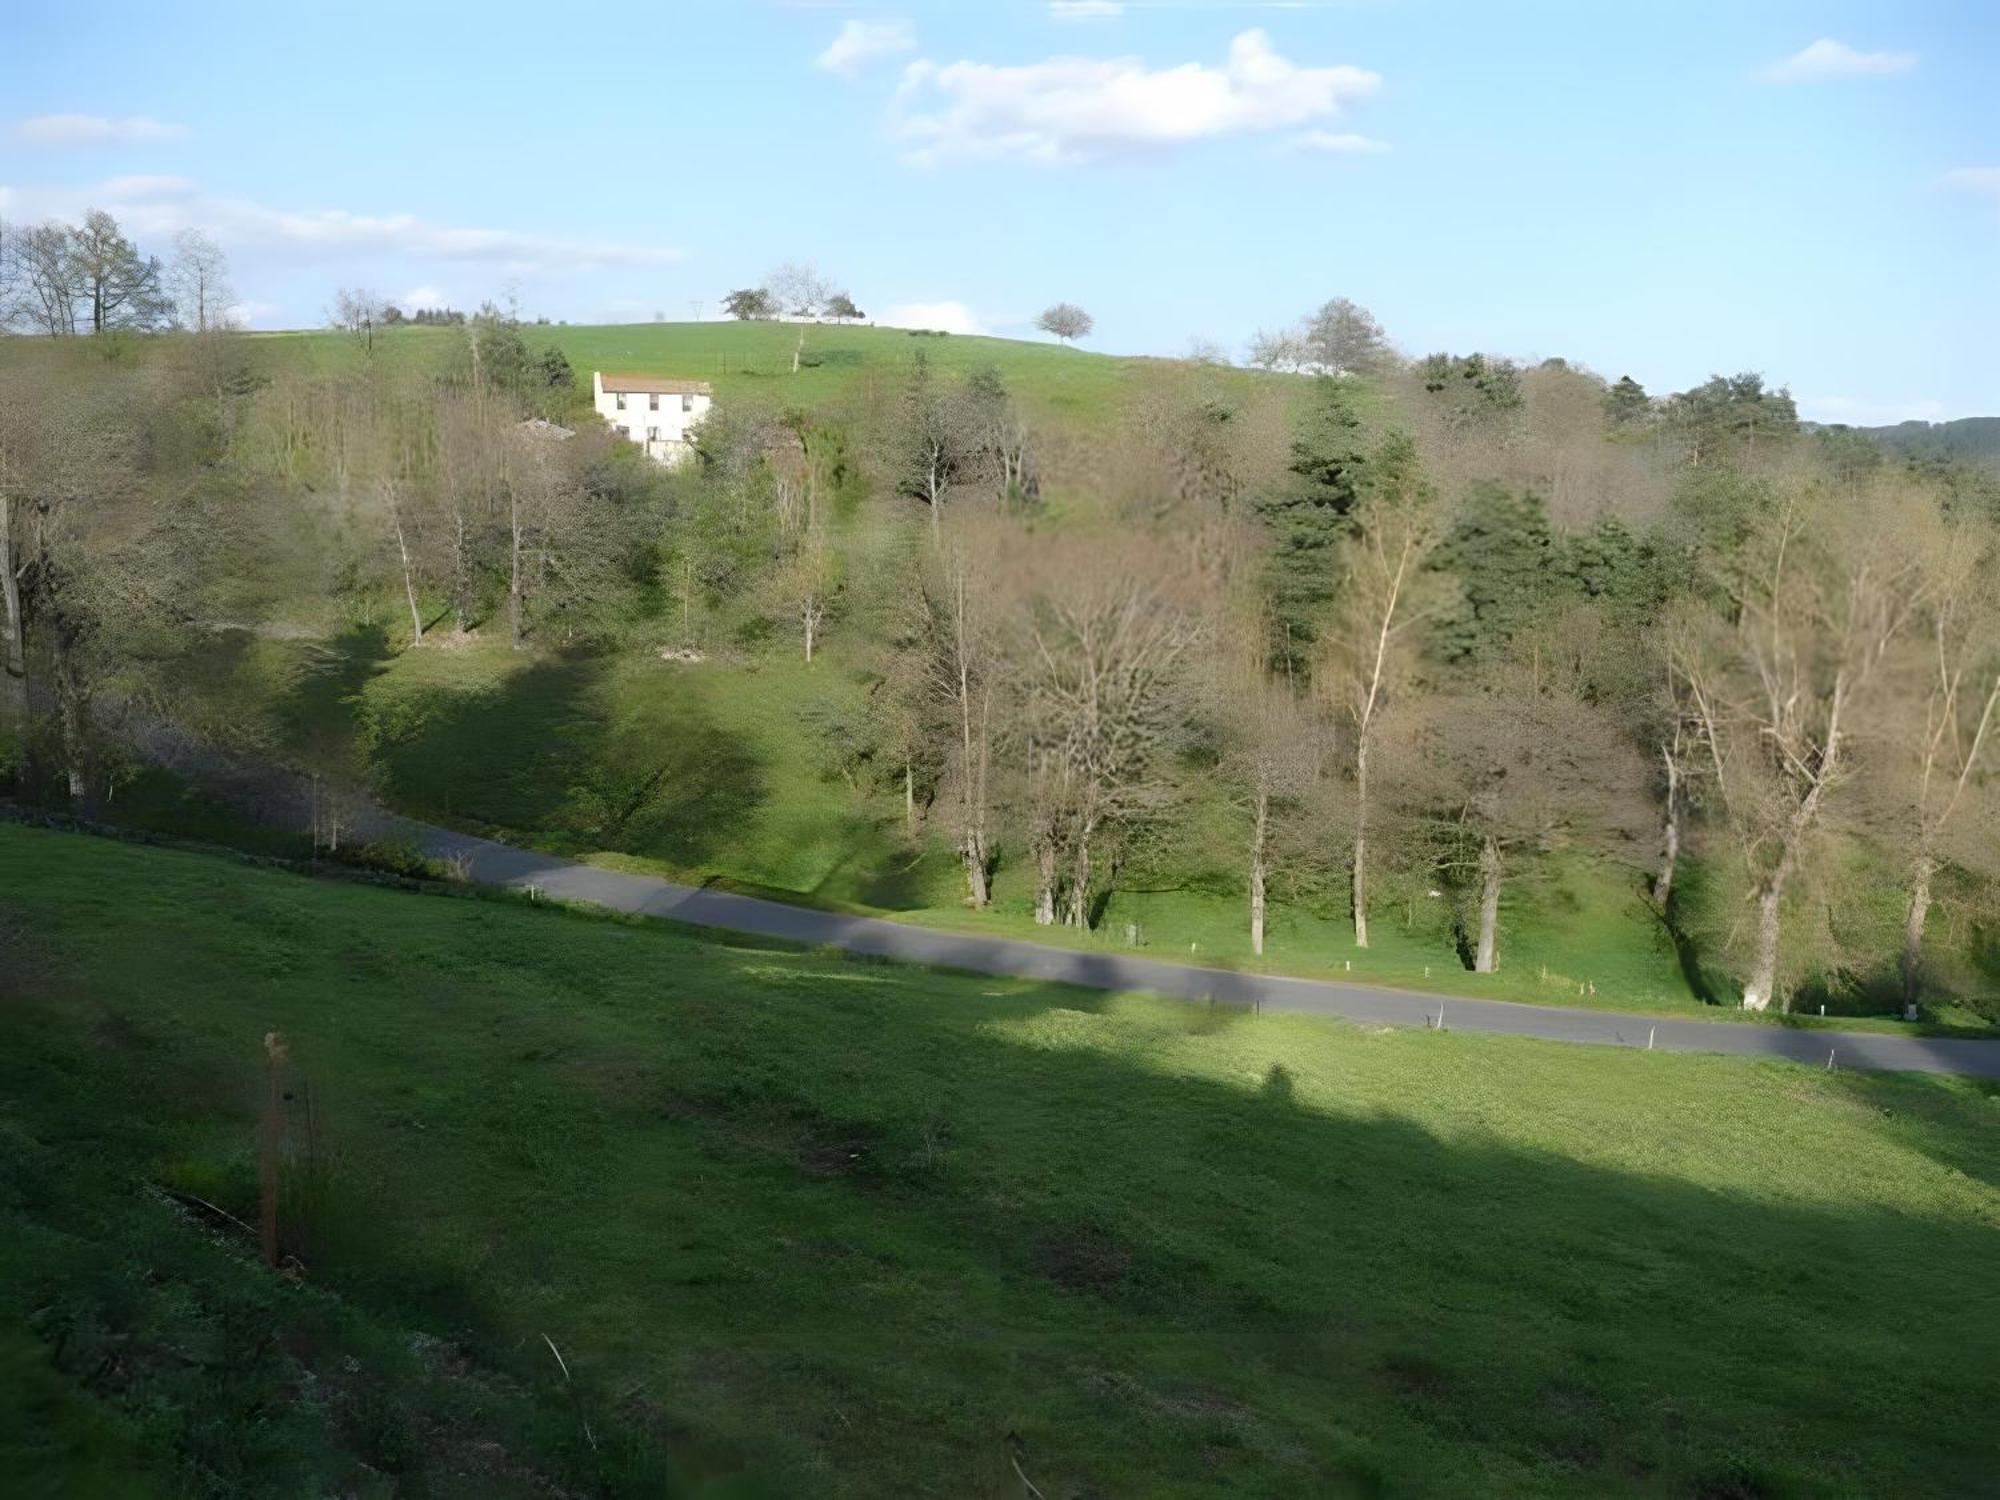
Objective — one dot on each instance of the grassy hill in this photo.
(806, 1224)
(755, 359)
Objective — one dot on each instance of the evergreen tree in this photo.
(1306, 514)
(1508, 562)
(1626, 404)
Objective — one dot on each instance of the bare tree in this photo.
(1102, 636)
(1270, 756)
(937, 442)
(965, 677)
(1943, 722)
(1821, 588)
(806, 584)
(48, 279)
(1387, 592)
(357, 310)
(1066, 321)
(198, 280)
(1523, 769)
(1279, 349)
(797, 289)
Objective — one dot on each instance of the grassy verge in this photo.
(844, 1228)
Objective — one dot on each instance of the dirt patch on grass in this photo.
(1083, 1258)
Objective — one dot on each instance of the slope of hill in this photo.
(849, 1229)
(752, 358)
(1966, 440)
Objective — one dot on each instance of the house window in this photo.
(652, 434)
(652, 403)
(687, 403)
(623, 430)
(621, 400)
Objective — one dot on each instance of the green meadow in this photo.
(803, 1224)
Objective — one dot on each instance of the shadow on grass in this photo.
(545, 755)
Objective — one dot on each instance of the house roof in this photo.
(653, 385)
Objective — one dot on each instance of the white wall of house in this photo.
(661, 422)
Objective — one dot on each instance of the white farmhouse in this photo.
(659, 415)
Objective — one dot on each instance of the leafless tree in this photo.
(357, 310)
(1103, 633)
(1066, 321)
(965, 678)
(1942, 725)
(1271, 754)
(1387, 593)
(1822, 587)
(1521, 769)
(48, 279)
(198, 280)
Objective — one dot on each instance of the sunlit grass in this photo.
(850, 1224)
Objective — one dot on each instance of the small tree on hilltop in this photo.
(750, 304)
(840, 307)
(1066, 321)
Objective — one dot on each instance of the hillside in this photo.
(835, 1226)
(754, 359)
(1966, 440)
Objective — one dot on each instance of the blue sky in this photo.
(1812, 190)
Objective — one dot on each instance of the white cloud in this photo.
(863, 42)
(1984, 180)
(1860, 413)
(153, 207)
(418, 298)
(1071, 109)
(1339, 143)
(251, 313)
(1084, 10)
(945, 317)
(1827, 58)
(94, 130)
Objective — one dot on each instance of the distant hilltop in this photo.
(1967, 440)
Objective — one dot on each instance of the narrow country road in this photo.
(491, 863)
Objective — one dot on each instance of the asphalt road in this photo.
(492, 863)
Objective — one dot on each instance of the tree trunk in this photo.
(1487, 957)
(1361, 844)
(461, 573)
(1045, 894)
(409, 575)
(809, 617)
(909, 797)
(1079, 883)
(1763, 981)
(1257, 842)
(514, 570)
(975, 874)
(1913, 934)
(72, 721)
(1663, 883)
(13, 651)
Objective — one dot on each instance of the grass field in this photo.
(801, 1224)
(755, 360)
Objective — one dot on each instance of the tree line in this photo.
(1451, 625)
(65, 279)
